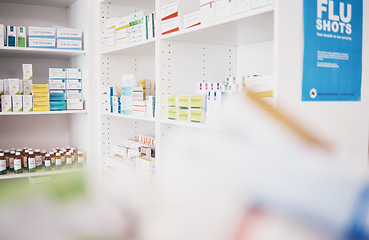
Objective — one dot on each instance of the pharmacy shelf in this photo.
(47, 3)
(116, 115)
(145, 4)
(39, 53)
(11, 175)
(140, 49)
(43, 113)
(250, 27)
(184, 124)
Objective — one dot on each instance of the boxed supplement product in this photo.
(41, 32)
(27, 87)
(173, 101)
(2, 35)
(56, 84)
(27, 103)
(239, 6)
(27, 71)
(41, 43)
(40, 88)
(69, 44)
(1, 87)
(6, 103)
(109, 91)
(207, 11)
(58, 106)
(68, 34)
(170, 11)
(74, 73)
(198, 101)
(222, 9)
(11, 35)
(183, 115)
(74, 94)
(74, 84)
(40, 97)
(57, 95)
(191, 20)
(74, 104)
(13, 86)
(170, 26)
(261, 3)
(21, 36)
(57, 73)
(184, 102)
(6, 87)
(17, 103)
(150, 106)
(197, 115)
(21, 91)
(41, 106)
(172, 113)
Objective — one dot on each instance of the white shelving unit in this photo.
(46, 130)
(39, 173)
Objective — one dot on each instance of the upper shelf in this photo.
(249, 27)
(39, 53)
(46, 3)
(138, 118)
(145, 4)
(141, 49)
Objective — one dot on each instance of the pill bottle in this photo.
(47, 162)
(18, 162)
(81, 159)
(58, 163)
(31, 161)
(52, 157)
(11, 160)
(38, 156)
(43, 153)
(2, 164)
(69, 160)
(7, 155)
(25, 159)
(62, 155)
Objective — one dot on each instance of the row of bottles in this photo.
(31, 160)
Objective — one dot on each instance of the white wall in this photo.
(344, 124)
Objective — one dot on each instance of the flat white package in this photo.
(222, 9)
(170, 11)
(27, 71)
(240, 6)
(41, 32)
(261, 3)
(74, 73)
(2, 35)
(56, 84)
(13, 86)
(6, 103)
(74, 84)
(191, 20)
(171, 25)
(74, 94)
(207, 12)
(69, 44)
(17, 103)
(21, 91)
(57, 73)
(1, 87)
(6, 86)
(74, 104)
(68, 34)
(27, 103)
(27, 87)
(41, 43)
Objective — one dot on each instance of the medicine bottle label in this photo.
(58, 162)
(47, 163)
(53, 160)
(38, 160)
(17, 164)
(2, 165)
(25, 163)
(11, 163)
(80, 159)
(32, 163)
(69, 161)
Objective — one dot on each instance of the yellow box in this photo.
(197, 115)
(183, 114)
(198, 101)
(40, 97)
(172, 101)
(172, 113)
(184, 102)
(41, 106)
(40, 88)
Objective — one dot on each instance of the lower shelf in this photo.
(184, 124)
(42, 113)
(11, 175)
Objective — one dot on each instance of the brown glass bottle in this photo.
(2, 164)
(11, 160)
(25, 159)
(31, 162)
(7, 155)
(18, 163)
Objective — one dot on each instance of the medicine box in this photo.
(40, 88)
(40, 97)
(74, 94)
(27, 87)
(11, 35)
(191, 20)
(41, 43)
(57, 84)
(68, 34)
(74, 84)
(13, 86)
(197, 115)
(6, 87)
(222, 9)
(170, 11)
(74, 73)
(41, 106)
(21, 91)
(1, 87)
(261, 3)
(198, 101)
(240, 6)
(172, 113)
(57, 95)
(170, 26)
(172, 101)
(6, 103)
(69, 44)
(41, 32)
(27, 103)
(21, 36)
(74, 104)
(17, 103)
(184, 102)
(2, 35)
(183, 115)
(207, 12)
(27, 71)
(58, 106)
(57, 73)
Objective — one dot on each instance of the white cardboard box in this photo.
(17, 102)
(74, 73)
(240, 6)
(261, 3)
(191, 20)
(207, 12)
(57, 73)
(74, 104)
(27, 103)
(6, 103)
(223, 9)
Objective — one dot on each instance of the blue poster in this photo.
(333, 50)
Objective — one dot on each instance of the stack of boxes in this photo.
(137, 27)
(41, 37)
(121, 32)
(70, 39)
(187, 108)
(40, 94)
(170, 20)
(108, 93)
(128, 83)
(74, 89)
(138, 104)
(57, 78)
